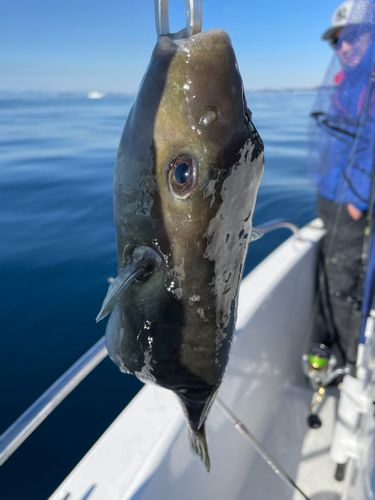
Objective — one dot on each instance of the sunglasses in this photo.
(347, 36)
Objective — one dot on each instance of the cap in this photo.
(340, 18)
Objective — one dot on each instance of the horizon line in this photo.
(62, 93)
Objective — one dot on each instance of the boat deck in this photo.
(311, 466)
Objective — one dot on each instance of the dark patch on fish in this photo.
(187, 174)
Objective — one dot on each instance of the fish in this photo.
(187, 173)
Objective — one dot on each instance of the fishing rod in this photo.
(358, 312)
(267, 457)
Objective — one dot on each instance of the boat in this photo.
(260, 441)
(95, 95)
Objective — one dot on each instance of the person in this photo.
(341, 164)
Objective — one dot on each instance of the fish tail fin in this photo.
(199, 444)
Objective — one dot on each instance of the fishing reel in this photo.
(319, 365)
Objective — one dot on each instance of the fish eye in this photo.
(182, 176)
(181, 173)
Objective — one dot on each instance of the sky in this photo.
(87, 45)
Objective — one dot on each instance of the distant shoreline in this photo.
(291, 90)
(45, 94)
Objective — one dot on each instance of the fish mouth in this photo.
(140, 264)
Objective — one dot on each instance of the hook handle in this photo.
(193, 10)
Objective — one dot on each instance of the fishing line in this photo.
(244, 431)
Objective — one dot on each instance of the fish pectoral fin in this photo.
(145, 261)
(256, 234)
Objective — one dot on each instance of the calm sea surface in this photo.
(57, 249)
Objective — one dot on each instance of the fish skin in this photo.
(175, 327)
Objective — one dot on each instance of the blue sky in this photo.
(83, 45)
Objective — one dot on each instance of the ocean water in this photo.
(57, 249)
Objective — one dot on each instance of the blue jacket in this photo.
(347, 136)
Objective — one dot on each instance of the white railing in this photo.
(21, 429)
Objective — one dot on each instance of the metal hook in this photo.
(193, 17)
